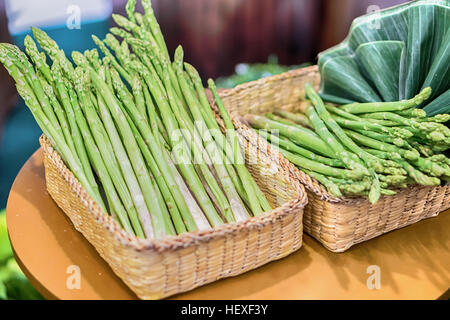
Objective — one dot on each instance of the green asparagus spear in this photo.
(238, 207)
(376, 144)
(96, 143)
(181, 159)
(292, 147)
(113, 60)
(357, 108)
(185, 137)
(55, 136)
(298, 118)
(38, 59)
(323, 169)
(158, 221)
(253, 193)
(329, 184)
(370, 161)
(213, 127)
(332, 142)
(154, 27)
(301, 137)
(161, 184)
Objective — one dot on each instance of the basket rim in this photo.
(170, 243)
(310, 183)
(314, 69)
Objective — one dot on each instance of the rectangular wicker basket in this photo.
(162, 268)
(337, 223)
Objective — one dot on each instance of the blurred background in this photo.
(234, 40)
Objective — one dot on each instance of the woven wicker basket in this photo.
(337, 223)
(159, 269)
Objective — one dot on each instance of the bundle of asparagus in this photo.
(137, 128)
(362, 149)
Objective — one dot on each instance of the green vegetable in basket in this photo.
(134, 126)
(351, 155)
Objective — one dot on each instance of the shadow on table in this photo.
(396, 253)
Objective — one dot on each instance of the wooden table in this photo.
(414, 262)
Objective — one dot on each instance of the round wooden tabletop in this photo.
(413, 263)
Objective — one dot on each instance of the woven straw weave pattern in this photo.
(337, 223)
(162, 268)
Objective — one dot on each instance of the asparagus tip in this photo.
(29, 40)
(423, 95)
(212, 85)
(96, 39)
(179, 53)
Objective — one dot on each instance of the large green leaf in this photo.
(439, 105)
(397, 52)
(382, 55)
(352, 83)
(419, 46)
(439, 75)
